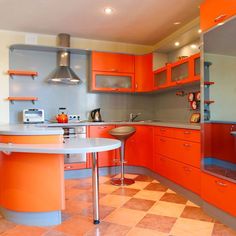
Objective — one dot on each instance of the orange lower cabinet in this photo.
(190, 178)
(102, 131)
(219, 192)
(183, 151)
(32, 182)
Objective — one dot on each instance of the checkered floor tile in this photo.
(146, 208)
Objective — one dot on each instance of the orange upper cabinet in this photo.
(112, 72)
(180, 72)
(213, 12)
(162, 77)
(144, 73)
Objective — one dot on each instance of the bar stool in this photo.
(122, 133)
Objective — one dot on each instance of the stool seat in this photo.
(123, 132)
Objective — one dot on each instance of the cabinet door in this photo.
(219, 192)
(187, 134)
(195, 67)
(180, 72)
(162, 78)
(104, 158)
(213, 12)
(112, 62)
(112, 82)
(144, 73)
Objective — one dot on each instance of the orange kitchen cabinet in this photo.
(195, 67)
(162, 78)
(144, 73)
(220, 193)
(187, 176)
(112, 62)
(112, 72)
(187, 134)
(180, 72)
(139, 147)
(190, 177)
(213, 12)
(180, 150)
(101, 131)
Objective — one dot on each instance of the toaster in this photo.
(33, 116)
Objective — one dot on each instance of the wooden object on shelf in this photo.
(32, 99)
(22, 73)
(208, 83)
(208, 102)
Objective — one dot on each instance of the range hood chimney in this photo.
(63, 73)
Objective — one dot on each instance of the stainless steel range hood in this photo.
(63, 73)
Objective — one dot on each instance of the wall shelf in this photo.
(208, 83)
(13, 99)
(208, 102)
(22, 73)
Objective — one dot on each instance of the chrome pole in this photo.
(95, 185)
(122, 153)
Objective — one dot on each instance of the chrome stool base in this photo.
(122, 182)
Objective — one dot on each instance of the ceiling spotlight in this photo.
(108, 10)
(177, 44)
(177, 23)
(193, 46)
(199, 31)
(221, 23)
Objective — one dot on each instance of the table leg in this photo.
(95, 184)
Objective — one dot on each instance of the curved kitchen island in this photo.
(32, 172)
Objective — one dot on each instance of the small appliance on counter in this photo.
(96, 115)
(62, 116)
(33, 116)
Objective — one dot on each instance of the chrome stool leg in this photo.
(122, 181)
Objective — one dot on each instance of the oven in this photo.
(74, 132)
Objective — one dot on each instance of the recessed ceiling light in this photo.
(177, 23)
(108, 10)
(177, 44)
(193, 46)
(221, 23)
(199, 31)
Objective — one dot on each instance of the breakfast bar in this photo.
(32, 173)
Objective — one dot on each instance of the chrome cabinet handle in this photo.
(220, 18)
(187, 132)
(102, 127)
(136, 85)
(68, 167)
(163, 140)
(186, 145)
(220, 183)
(187, 169)
(162, 129)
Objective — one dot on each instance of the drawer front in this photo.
(219, 192)
(100, 131)
(190, 178)
(187, 134)
(183, 151)
(164, 131)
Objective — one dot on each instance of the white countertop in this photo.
(56, 128)
(71, 146)
(21, 129)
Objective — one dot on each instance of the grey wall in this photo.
(78, 100)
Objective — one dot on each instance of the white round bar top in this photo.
(71, 146)
(88, 145)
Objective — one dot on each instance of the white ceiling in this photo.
(134, 21)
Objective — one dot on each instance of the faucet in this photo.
(132, 116)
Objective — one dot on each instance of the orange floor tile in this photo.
(146, 208)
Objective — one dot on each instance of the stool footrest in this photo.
(122, 182)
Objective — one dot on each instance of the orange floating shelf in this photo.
(22, 73)
(32, 99)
